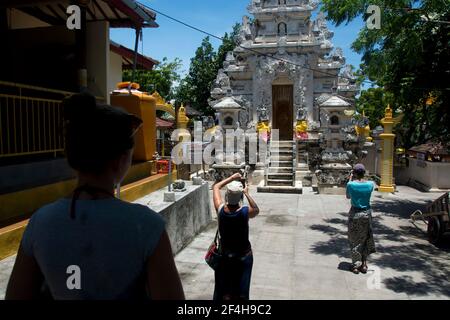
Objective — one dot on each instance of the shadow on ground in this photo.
(403, 249)
(400, 208)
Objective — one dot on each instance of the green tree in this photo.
(162, 78)
(371, 102)
(195, 88)
(408, 57)
(228, 44)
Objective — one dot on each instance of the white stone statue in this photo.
(347, 76)
(246, 28)
(222, 80)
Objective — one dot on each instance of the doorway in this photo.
(283, 110)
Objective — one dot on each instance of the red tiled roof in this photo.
(128, 56)
(160, 123)
(433, 148)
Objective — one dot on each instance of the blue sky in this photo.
(173, 40)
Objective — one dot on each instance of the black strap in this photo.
(93, 191)
(217, 237)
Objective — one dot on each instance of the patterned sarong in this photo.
(360, 235)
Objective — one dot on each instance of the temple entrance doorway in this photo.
(283, 110)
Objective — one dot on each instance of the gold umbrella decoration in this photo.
(362, 127)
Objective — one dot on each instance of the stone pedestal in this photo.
(197, 181)
(169, 196)
(223, 171)
(185, 217)
(332, 178)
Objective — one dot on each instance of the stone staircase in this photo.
(280, 172)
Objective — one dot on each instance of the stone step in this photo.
(281, 176)
(280, 170)
(280, 148)
(303, 173)
(283, 164)
(272, 182)
(283, 141)
(281, 158)
(281, 152)
(282, 144)
(298, 189)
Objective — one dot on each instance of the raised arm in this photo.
(253, 207)
(347, 192)
(217, 197)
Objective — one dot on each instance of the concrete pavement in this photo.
(301, 252)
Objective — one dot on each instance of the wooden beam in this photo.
(99, 7)
(38, 13)
(113, 10)
(27, 3)
(63, 9)
(121, 23)
(52, 10)
(88, 10)
(125, 9)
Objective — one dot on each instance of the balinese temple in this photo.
(287, 75)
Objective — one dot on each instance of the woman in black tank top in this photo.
(232, 277)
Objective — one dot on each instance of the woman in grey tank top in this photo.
(91, 245)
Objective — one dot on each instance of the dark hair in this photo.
(359, 173)
(96, 134)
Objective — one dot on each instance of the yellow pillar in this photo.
(364, 131)
(387, 159)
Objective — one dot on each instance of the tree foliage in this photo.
(161, 78)
(408, 57)
(195, 88)
(371, 102)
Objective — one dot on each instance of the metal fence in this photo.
(31, 120)
(30, 125)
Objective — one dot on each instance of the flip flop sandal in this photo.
(355, 270)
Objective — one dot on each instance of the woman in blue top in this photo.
(90, 245)
(232, 277)
(360, 233)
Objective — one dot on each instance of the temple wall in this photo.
(433, 175)
(186, 217)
